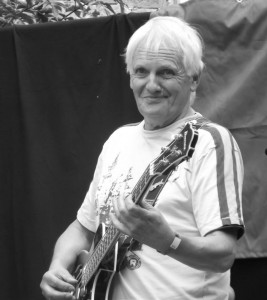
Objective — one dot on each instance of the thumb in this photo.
(144, 204)
(67, 277)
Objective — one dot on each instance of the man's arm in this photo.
(215, 252)
(57, 282)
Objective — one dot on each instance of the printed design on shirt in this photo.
(111, 167)
(115, 183)
(132, 261)
(179, 172)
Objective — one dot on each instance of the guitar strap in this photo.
(200, 122)
(153, 193)
(160, 181)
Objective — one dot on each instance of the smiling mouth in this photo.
(153, 99)
(154, 96)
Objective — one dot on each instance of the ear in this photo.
(131, 82)
(194, 82)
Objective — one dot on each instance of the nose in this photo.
(153, 85)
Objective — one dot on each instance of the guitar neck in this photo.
(108, 240)
(143, 183)
(112, 234)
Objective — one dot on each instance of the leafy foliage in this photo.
(40, 11)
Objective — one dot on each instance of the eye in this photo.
(167, 73)
(140, 72)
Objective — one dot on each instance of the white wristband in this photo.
(176, 242)
(174, 245)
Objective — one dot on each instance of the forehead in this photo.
(162, 56)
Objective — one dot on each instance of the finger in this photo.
(51, 293)
(62, 283)
(119, 206)
(120, 226)
(115, 205)
(69, 278)
(136, 209)
(125, 194)
(129, 204)
(146, 205)
(127, 212)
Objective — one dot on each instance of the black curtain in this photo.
(63, 90)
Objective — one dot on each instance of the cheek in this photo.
(136, 85)
(179, 89)
(173, 90)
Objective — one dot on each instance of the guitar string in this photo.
(109, 237)
(94, 261)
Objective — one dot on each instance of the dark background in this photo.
(64, 89)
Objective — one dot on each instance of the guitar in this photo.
(96, 268)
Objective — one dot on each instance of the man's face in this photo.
(161, 87)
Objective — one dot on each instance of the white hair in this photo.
(168, 33)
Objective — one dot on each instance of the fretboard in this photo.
(112, 234)
(110, 237)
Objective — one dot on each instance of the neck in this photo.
(150, 125)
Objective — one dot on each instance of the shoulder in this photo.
(215, 138)
(215, 134)
(122, 134)
(125, 129)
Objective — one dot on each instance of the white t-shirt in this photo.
(201, 195)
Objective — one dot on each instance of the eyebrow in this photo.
(164, 65)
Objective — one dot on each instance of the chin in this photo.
(152, 110)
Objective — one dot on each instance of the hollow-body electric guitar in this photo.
(96, 268)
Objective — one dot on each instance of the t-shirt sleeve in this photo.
(217, 180)
(86, 214)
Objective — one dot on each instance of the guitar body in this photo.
(96, 268)
(98, 287)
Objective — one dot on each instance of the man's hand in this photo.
(58, 284)
(145, 224)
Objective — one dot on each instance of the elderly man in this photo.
(187, 240)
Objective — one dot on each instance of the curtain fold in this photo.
(233, 92)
